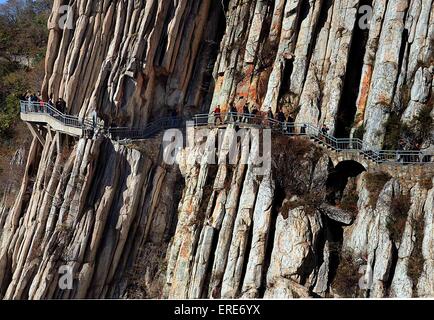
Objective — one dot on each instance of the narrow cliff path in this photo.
(348, 147)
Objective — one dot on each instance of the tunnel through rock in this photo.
(348, 103)
(338, 178)
(337, 181)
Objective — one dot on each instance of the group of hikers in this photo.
(285, 123)
(37, 103)
(249, 115)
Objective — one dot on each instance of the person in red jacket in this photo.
(217, 115)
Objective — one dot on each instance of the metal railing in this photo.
(350, 145)
(122, 133)
(45, 108)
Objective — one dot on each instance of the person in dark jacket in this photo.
(61, 105)
(50, 104)
(233, 113)
(50, 101)
(290, 124)
(255, 116)
(280, 116)
(246, 113)
(58, 105)
(34, 98)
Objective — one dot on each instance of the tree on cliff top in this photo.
(23, 41)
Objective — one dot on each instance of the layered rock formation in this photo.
(128, 225)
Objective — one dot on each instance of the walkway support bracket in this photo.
(35, 132)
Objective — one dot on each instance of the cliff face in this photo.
(129, 225)
(281, 235)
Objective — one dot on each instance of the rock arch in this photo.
(338, 177)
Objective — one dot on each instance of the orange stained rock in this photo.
(218, 84)
(184, 250)
(364, 93)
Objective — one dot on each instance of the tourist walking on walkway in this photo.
(280, 116)
(217, 115)
(401, 146)
(34, 102)
(270, 117)
(255, 116)
(246, 113)
(34, 98)
(29, 101)
(41, 102)
(58, 105)
(324, 131)
(94, 119)
(61, 105)
(50, 104)
(290, 124)
(233, 113)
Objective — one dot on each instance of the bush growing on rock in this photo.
(398, 216)
(350, 199)
(420, 127)
(416, 260)
(416, 132)
(393, 129)
(293, 163)
(359, 132)
(146, 277)
(375, 182)
(346, 281)
(290, 158)
(426, 183)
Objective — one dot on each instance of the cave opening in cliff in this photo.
(286, 77)
(335, 238)
(288, 64)
(338, 178)
(348, 104)
(209, 51)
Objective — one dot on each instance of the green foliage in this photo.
(359, 132)
(23, 30)
(416, 132)
(421, 125)
(393, 132)
(23, 39)
(8, 115)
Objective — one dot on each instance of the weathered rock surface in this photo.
(127, 224)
